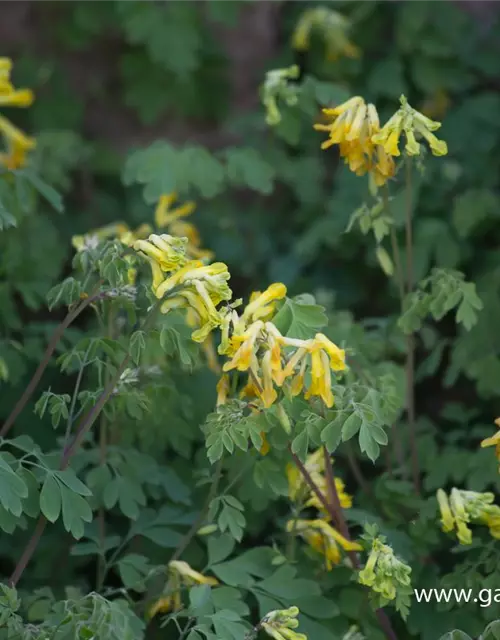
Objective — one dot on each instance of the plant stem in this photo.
(57, 335)
(28, 551)
(395, 247)
(84, 426)
(337, 515)
(410, 348)
(202, 515)
(357, 472)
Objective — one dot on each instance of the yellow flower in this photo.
(494, 441)
(280, 624)
(180, 574)
(447, 519)
(16, 98)
(410, 122)
(262, 305)
(465, 507)
(188, 575)
(168, 218)
(18, 145)
(168, 252)
(223, 387)
(242, 359)
(353, 126)
(323, 538)
(334, 28)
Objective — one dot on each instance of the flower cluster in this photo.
(366, 147)
(494, 441)
(281, 624)
(253, 344)
(384, 573)
(353, 127)
(180, 575)
(319, 534)
(17, 144)
(410, 122)
(464, 507)
(184, 283)
(165, 218)
(334, 29)
(277, 88)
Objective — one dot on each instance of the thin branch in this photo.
(202, 515)
(410, 344)
(28, 551)
(54, 341)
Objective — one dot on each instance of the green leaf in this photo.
(219, 548)
(299, 318)
(385, 261)
(367, 442)
(199, 596)
(69, 478)
(50, 498)
(133, 568)
(331, 435)
(45, 190)
(75, 511)
(246, 167)
(137, 346)
(351, 427)
(300, 445)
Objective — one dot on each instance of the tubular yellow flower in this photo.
(262, 305)
(447, 519)
(188, 575)
(243, 357)
(280, 624)
(223, 387)
(334, 28)
(320, 379)
(469, 507)
(354, 124)
(17, 98)
(410, 122)
(18, 145)
(167, 251)
(323, 538)
(494, 441)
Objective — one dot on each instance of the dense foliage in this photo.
(190, 330)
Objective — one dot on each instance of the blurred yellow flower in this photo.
(180, 574)
(280, 624)
(170, 219)
(334, 29)
(323, 538)
(465, 507)
(494, 441)
(16, 142)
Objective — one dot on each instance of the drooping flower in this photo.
(411, 123)
(180, 574)
(323, 538)
(384, 572)
(494, 441)
(280, 624)
(171, 219)
(16, 142)
(353, 127)
(465, 507)
(333, 27)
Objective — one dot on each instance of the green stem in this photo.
(54, 341)
(396, 254)
(410, 344)
(83, 428)
(202, 515)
